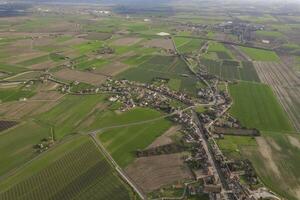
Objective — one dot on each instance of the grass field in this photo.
(10, 69)
(16, 145)
(123, 142)
(34, 61)
(14, 94)
(256, 107)
(188, 45)
(67, 116)
(74, 170)
(260, 54)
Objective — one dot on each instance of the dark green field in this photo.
(82, 173)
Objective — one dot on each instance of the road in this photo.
(121, 172)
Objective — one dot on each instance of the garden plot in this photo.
(286, 85)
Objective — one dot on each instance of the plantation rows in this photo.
(7, 124)
(229, 70)
(67, 177)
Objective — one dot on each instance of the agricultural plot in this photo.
(15, 94)
(256, 106)
(286, 85)
(151, 173)
(16, 144)
(79, 173)
(11, 69)
(165, 67)
(231, 70)
(188, 45)
(80, 76)
(125, 133)
(39, 103)
(218, 51)
(260, 54)
(277, 153)
(7, 124)
(162, 43)
(67, 116)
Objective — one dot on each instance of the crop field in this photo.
(67, 115)
(153, 172)
(81, 76)
(124, 141)
(14, 94)
(231, 70)
(277, 153)
(260, 54)
(11, 69)
(218, 51)
(17, 144)
(285, 84)
(256, 106)
(80, 173)
(163, 67)
(188, 45)
(7, 124)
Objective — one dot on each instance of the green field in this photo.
(123, 142)
(165, 67)
(188, 45)
(269, 34)
(10, 69)
(256, 106)
(260, 54)
(16, 144)
(34, 61)
(74, 170)
(15, 94)
(67, 116)
(231, 70)
(218, 51)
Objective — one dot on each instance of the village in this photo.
(220, 177)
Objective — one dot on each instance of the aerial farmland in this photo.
(142, 100)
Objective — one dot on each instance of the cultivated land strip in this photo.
(286, 86)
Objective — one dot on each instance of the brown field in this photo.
(126, 41)
(44, 65)
(165, 138)
(151, 173)
(41, 102)
(112, 69)
(286, 86)
(85, 77)
(163, 43)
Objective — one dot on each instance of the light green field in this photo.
(123, 142)
(73, 170)
(34, 61)
(88, 47)
(256, 106)
(260, 54)
(67, 116)
(188, 45)
(10, 69)
(271, 34)
(14, 94)
(16, 144)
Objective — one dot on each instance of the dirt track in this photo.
(286, 86)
